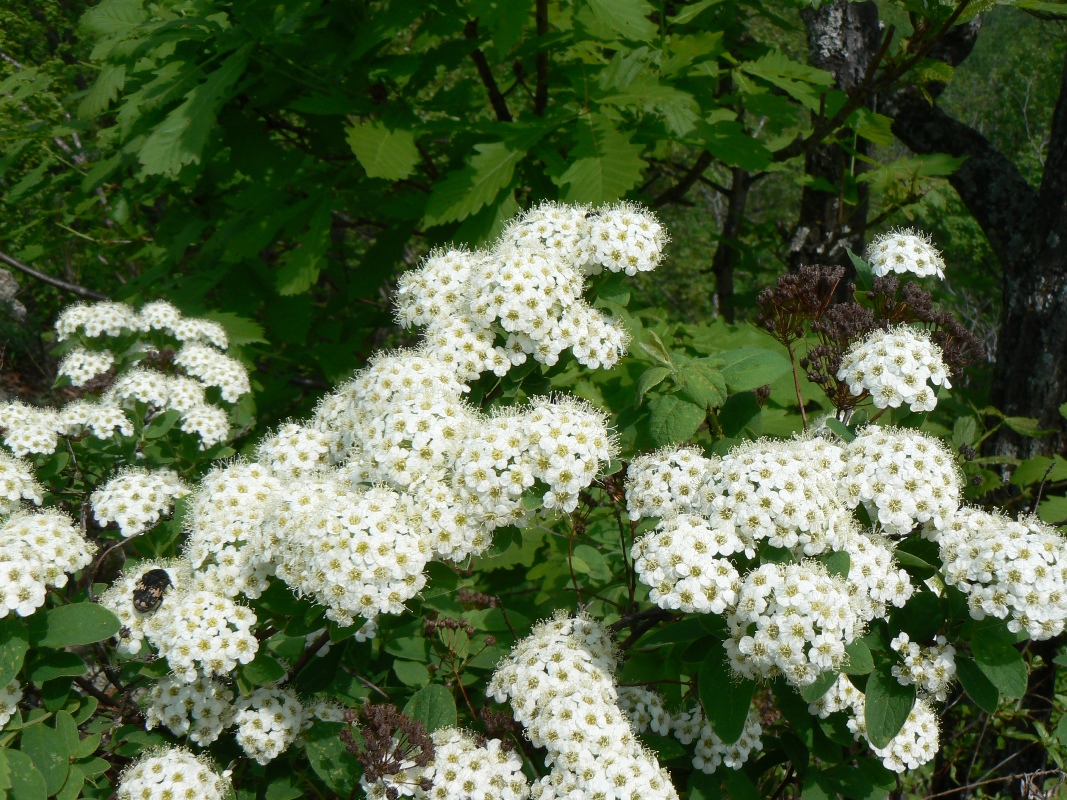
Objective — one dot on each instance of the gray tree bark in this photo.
(843, 38)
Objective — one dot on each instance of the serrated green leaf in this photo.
(628, 18)
(113, 17)
(702, 382)
(673, 420)
(383, 153)
(74, 624)
(433, 706)
(864, 276)
(104, 91)
(239, 330)
(690, 12)
(180, 138)
(748, 368)
(300, 267)
(731, 144)
(724, 695)
(466, 191)
(888, 705)
(605, 165)
(649, 379)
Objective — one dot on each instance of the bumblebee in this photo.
(148, 593)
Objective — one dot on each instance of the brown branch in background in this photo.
(309, 654)
(496, 99)
(73, 288)
(677, 192)
(541, 91)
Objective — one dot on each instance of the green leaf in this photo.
(74, 784)
(411, 673)
(14, 642)
(466, 191)
(383, 153)
(651, 377)
(822, 684)
(799, 81)
(702, 382)
(239, 330)
(978, 687)
(741, 416)
(739, 786)
(27, 783)
(689, 13)
(5, 774)
(262, 669)
(875, 128)
(841, 429)
(604, 164)
(1002, 664)
(104, 91)
(113, 16)
(864, 276)
(433, 706)
(673, 420)
(74, 624)
(56, 664)
(1061, 729)
(180, 138)
(49, 754)
(300, 266)
(282, 789)
(748, 368)
(859, 661)
(726, 697)
(837, 563)
(628, 18)
(731, 144)
(888, 705)
(330, 760)
(704, 787)
(162, 424)
(1027, 426)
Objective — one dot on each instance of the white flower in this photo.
(200, 710)
(902, 477)
(895, 366)
(10, 696)
(27, 429)
(213, 368)
(81, 365)
(645, 710)
(172, 774)
(710, 751)
(931, 668)
(38, 551)
(268, 721)
(136, 498)
(669, 481)
(905, 250)
(99, 319)
(17, 484)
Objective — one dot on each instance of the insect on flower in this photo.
(148, 593)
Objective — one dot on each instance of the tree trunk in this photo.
(727, 252)
(1027, 230)
(843, 38)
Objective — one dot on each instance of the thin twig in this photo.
(73, 288)
(496, 99)
(309, 654)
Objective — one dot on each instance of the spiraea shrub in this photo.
(547, 551)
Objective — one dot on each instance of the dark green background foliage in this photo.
(275, 165)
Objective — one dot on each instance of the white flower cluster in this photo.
(29, 430)
(17, 484)
(294, 451)
(136, 498)
(350, 549)
(873, 574)
(1007, 569)
(268, 721)
(162, 393)
(116, 319)
(561, 687)
(902, 477)
(711, 752)
(784, 492)
(792, 620)
(81, 365)
(895, 367)
(684, 562)
(201, 633)
(228, 540)
(172, 774)
(669, 481)
(214, 368)
(528, 289)
(644, 708)
(932, 669)
(201, 710)
(118, 598)
(101, 420)
(461, 768)
(905, 250)
(10, 696)
(37, 551)
(917, 742)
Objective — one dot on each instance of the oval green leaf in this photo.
(433, 706)
(888, 705)
(76, 624)
(725, 696)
